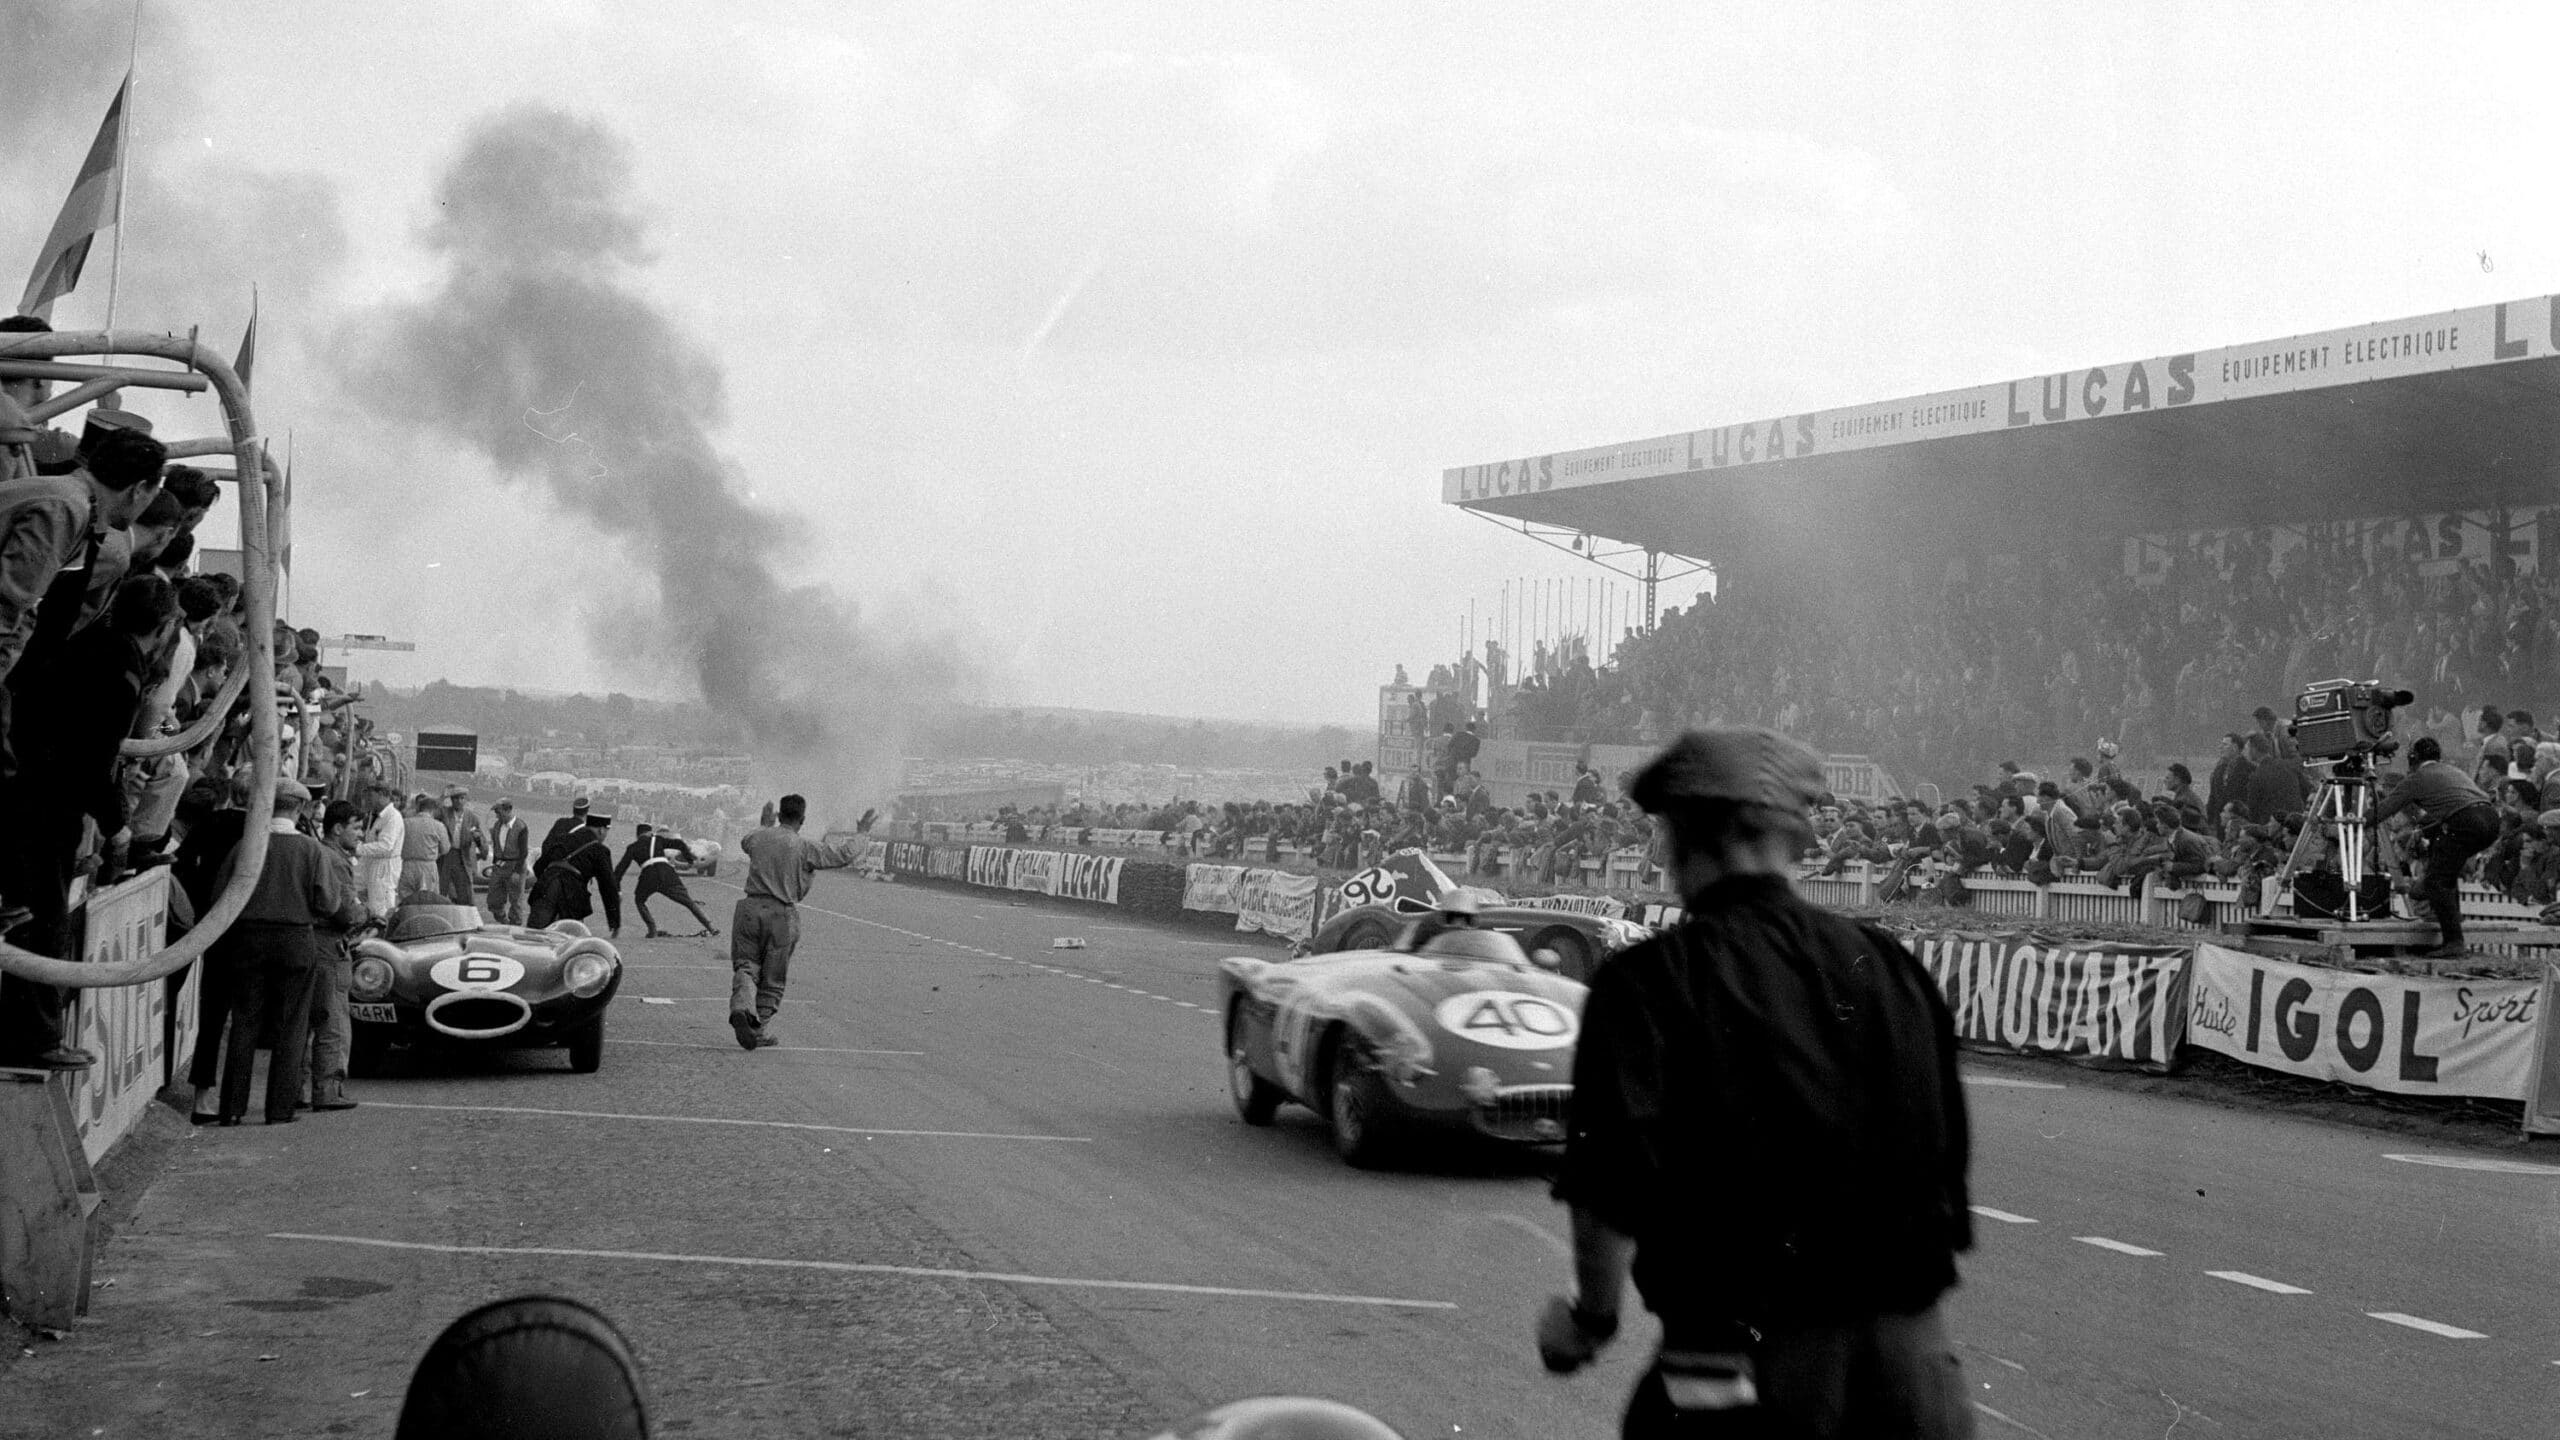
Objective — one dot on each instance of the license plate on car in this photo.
(382, 1014)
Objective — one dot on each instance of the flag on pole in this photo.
(94, 204)
(248, 355)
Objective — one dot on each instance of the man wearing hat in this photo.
(560, 886)
(650, 851)
(273, 951)
(1768, 1131)
(563, 830)
(470, 842)
(507, 853)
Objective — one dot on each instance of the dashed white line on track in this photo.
(2003, 1216)
(2118, 1246)
(849, 1267)
(2478, 1162)
(2257, 1282)
(2432, 1327)
(723, 1120)
(2003, 1082)
(782, 1049)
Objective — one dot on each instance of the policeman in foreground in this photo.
(1769, 1130)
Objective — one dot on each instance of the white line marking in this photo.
(2007, 1420)
(655, 1000)
(2477, 1162)
(2432, 1327)
(850, 1267)
(720, 1120)
(2257, 1282)
(2118, 1246)
(786, 1049)
(2003, 1216)
(2003, 1082)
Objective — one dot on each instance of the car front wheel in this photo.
(1362, 1114)
(586, 1048)
(1257, 1100)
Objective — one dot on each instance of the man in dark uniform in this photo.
(273, 950)
(650, 851)
(560, 889)
(1769, 1130)
(2459, 820)
(563, 830)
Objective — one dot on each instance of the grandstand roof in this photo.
(2447, 412)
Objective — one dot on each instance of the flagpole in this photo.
(124, 166)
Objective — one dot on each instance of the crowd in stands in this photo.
(110, 632)
(1943, 674)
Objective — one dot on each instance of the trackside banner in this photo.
(1033, 870)
(1277, 903)
(1089, 877)
(2408, 1034)
(1211, 887)
(1602, 905)
(990, 865)
(944, 862)
(2115, 1002)
(906, 857)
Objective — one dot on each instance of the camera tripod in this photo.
(2343, 802)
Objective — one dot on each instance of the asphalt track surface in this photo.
(987, 1187)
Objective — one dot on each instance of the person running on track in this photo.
(650, 851)
(765, 928)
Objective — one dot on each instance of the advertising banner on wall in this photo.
(125, 1026)
(1089, 877)
(990, 865)
(1277, 902)
(2408, 1034)
(2115, 1002)
(906, 857)
(1033, 870)
(1211, 887)
(946, 862)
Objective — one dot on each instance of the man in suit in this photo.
(470, 842)
(508, 842)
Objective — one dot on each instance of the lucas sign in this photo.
(2410, 1035)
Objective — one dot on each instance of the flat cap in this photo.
(292, 792)
(2547, 819)
(1743, 766)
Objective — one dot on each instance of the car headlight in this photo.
(371, 979)
(586, 973)
(1480, 1085)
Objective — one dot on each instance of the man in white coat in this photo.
(378, 856)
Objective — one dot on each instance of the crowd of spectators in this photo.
(1942, 674)
(111, 632)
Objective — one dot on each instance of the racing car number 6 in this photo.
(476, 972)
(1508, 1020)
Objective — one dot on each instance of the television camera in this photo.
(2345, 725)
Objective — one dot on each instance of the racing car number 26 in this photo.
(1508, 1020)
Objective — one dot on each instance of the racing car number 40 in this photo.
(1508, 1020)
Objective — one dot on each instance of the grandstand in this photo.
(2129, 550)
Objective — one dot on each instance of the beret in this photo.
(1746, 766)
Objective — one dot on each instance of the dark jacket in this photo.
(566, 875)
(2277, 789)
(1766, 1099)
(68, 738)
(2436, 790)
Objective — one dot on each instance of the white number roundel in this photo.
(1373, 886)
(476, 972)
(1508, 1020)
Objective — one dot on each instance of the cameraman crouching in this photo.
(2459, 821)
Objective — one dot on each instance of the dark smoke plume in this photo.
(535, 352)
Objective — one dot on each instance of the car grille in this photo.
(1531, 1114)
(478, 1015)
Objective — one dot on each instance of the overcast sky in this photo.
(1128, 341)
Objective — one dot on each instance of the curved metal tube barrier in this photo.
(259, 581)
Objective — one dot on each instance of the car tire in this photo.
(1573, 953)
(1360, 1111)
(368, 1050)
(1257, 1100)
(586, 1048)
(1367, 935)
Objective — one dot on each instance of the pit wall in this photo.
(2008, 985)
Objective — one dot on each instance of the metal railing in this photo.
(39, 355)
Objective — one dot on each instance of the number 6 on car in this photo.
(476, 972)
